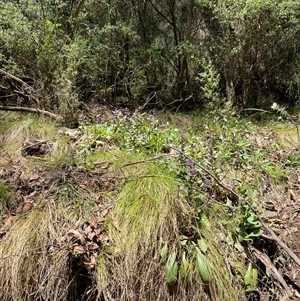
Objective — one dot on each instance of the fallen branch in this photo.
(31, 110)
(25, 85)
(274, 237)
(271, 270)
(14, 77)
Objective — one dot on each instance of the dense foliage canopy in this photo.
(54, 54)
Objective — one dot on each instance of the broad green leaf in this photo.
(255, 233)
(250, 278)
(171, 269)
(239, 247)
(202, 245)
(202, 266)
(164, 250)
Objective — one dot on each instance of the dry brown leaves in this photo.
(88, 239)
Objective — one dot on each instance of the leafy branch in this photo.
(272, 235)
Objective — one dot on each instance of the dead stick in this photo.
(271, 269)
(31, 110)
(14, 77)
(21, 82)
(280, 243)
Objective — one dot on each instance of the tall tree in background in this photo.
(255, 47)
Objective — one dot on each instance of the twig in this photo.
(14, 77)
(26, 252)
(254, 109)
(36, 143)
(150, 97)
(146, 160)
(137, 177)
(274, 237)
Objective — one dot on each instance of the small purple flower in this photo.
(207, 183)
(190, 164)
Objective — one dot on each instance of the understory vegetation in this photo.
(146, 207)
(149, 150)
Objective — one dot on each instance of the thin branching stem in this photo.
(272, 236)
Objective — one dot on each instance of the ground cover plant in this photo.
(149, 207)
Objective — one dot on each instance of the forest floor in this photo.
(162, 206)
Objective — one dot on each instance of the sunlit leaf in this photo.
(250, 278)
(203, 246)
(202, 266)
(171, 269)
(164, 250)
(184, 267)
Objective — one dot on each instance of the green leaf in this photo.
(183, 240)
(171, 269)
(202, 266)
(250, 278)
(229, 239)
(239, 247)
(164, 250)
(184, 267)
(202, 245)
(255, 233)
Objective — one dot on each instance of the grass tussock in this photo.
(145, 228)
(213, 244)
(30, 128)
(146, 206)
(147, 214)
(31, 269)
(6, 197)
(25, 128)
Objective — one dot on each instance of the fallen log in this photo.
(31, 110)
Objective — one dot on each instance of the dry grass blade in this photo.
(29, 269)
(147, 214)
